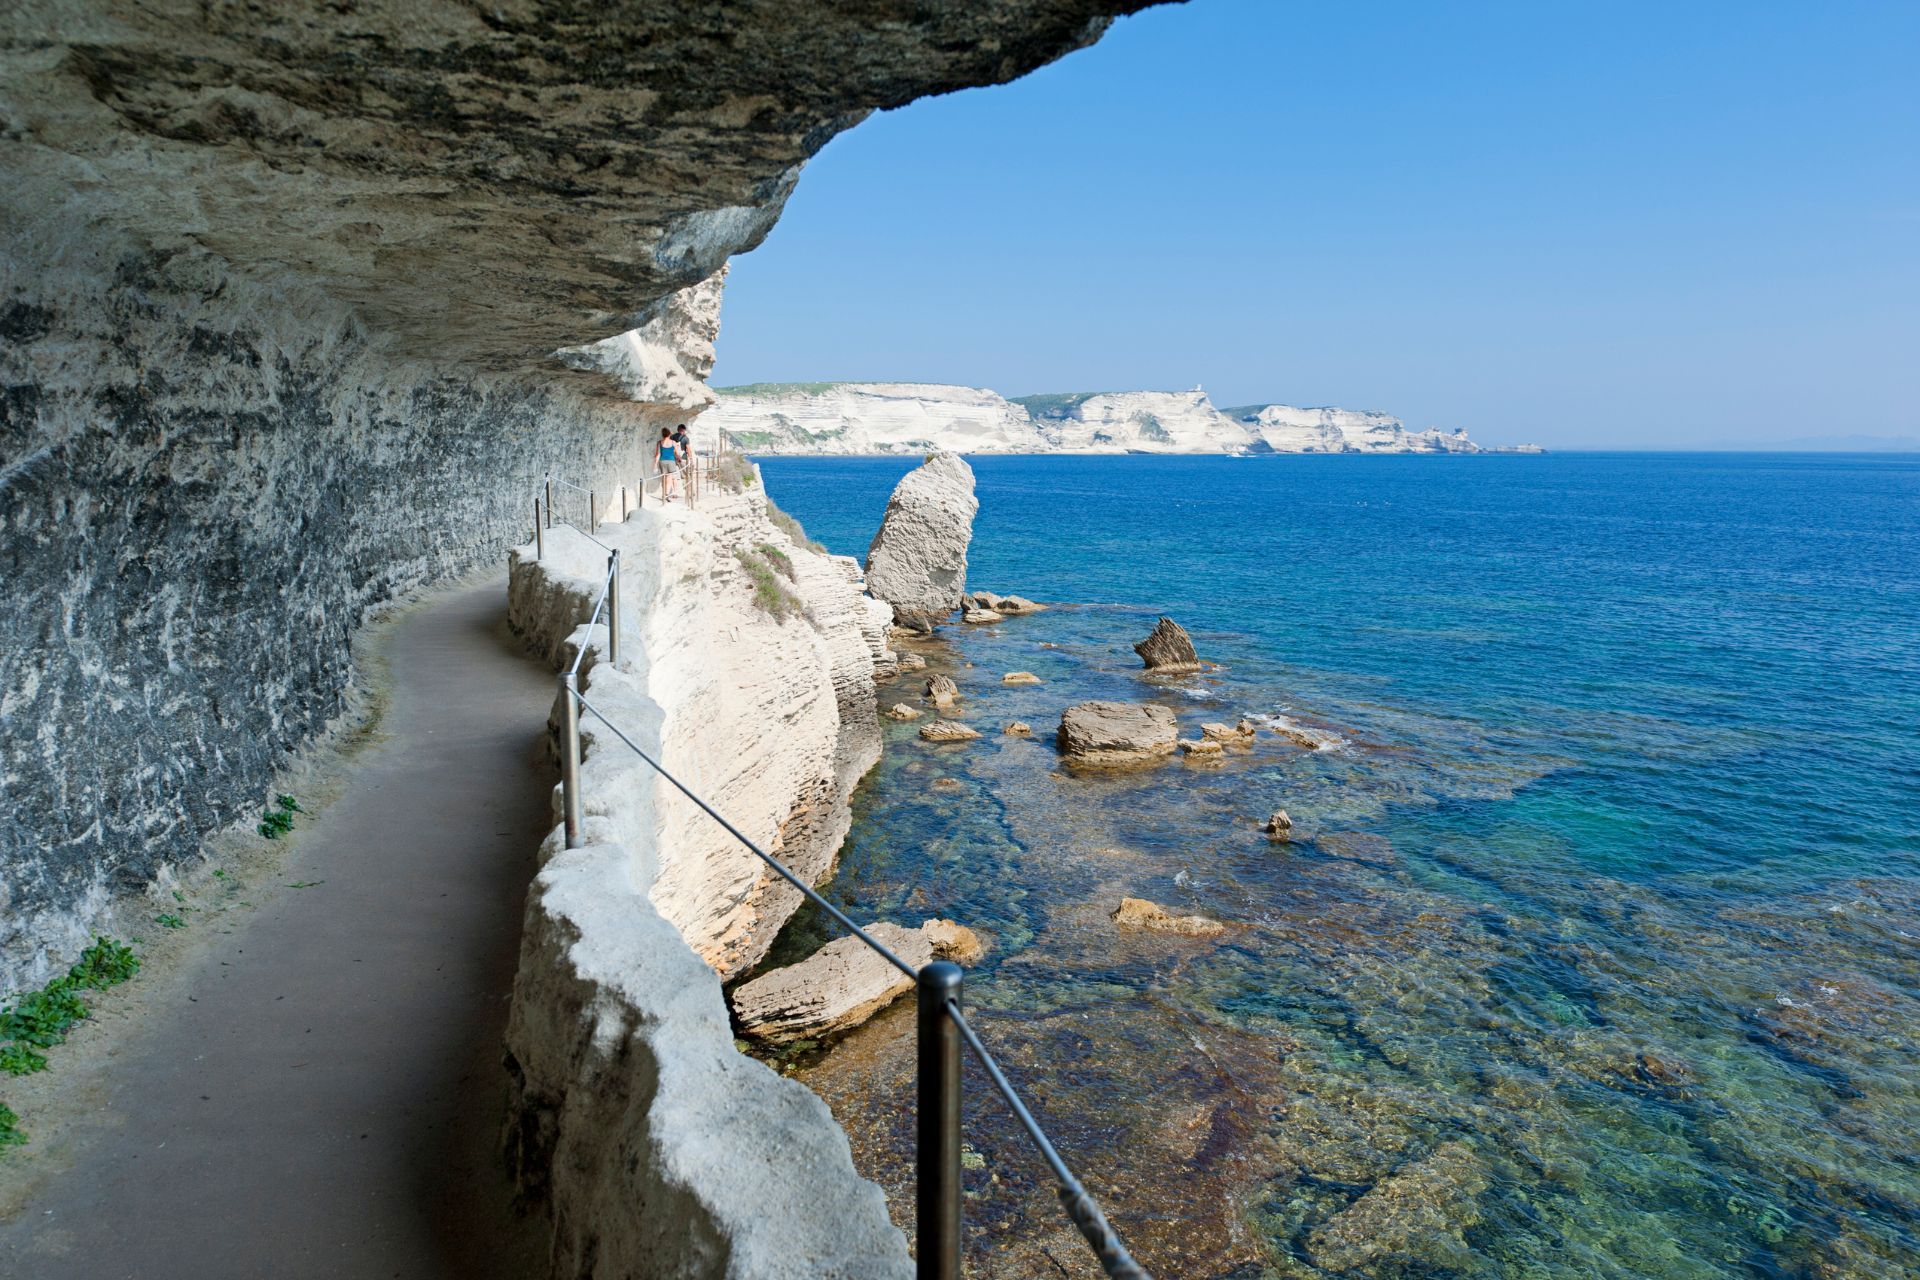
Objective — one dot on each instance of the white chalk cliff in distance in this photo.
(921, 417)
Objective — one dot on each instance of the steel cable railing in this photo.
(942, 1026)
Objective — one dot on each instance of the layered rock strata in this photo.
(1168, 649)
(655, 1146)
(1116, 733)
(846, 982)
(282, 289)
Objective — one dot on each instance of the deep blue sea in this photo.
(1596, 952)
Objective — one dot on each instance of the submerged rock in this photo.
(912, 662)
(1415, 1215)
(1017, 728)
(1139, 913)
(901, 711)
(1020, 677)
(1117, 733)
(948, 731)
(942, 691)
(1168, 649)
(918, 560)
(844, 983)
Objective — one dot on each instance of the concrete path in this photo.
(324, 1094)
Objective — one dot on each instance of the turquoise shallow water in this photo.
(1597, 954)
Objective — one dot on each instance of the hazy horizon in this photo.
(1630, 229)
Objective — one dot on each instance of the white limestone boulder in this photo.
(918, 560)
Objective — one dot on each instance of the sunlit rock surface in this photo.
(891, 417)
(282, 291)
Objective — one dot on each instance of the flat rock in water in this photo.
(948, 731)
(1117, 733)
(1017, 604)
(918, 560)
(1019, 677)
(844, 983)
(912, 662)
(979, 616)
(1138, 913)
(1201, 747)
(1018, 728)
(901, 711)
(1168, 649)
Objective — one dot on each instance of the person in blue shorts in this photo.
(666, 461)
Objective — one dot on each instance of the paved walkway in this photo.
(324, 1095)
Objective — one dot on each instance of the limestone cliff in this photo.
(892, 417)
(282, 292)
(655, 1147)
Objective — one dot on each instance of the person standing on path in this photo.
(666, 461)
(689, 473)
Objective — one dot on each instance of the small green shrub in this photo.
(782, 562)
(17, 1059)
(791, 527)
(104, 964)
(10, 1135)
(168, 920)
(769, 594)
(279, 820)
(732, 472)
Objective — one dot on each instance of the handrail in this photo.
(938, 1196)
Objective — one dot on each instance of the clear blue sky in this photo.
(1592, 225)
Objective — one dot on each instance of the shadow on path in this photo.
(323, 1095)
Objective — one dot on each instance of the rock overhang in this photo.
(481, 184)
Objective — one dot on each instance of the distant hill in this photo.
(915, 417)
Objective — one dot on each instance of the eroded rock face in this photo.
(283, 288)
(1168, 649)
(918, 560)
(1117, 733)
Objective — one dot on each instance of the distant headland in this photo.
(916, 417)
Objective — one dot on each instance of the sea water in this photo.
(1595, 952)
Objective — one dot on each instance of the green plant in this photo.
(104, 964)
(782, 562)
(279, 820)
(17, 1059)
(10, 1135)
(791, 527)
(304, 884)
(770, 595)
(732, 472)
(168, 920)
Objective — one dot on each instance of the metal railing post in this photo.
(937, 1156)
(613, 607)
(593, 513)
(539, 533)
(549, 501)
(623, 504)
(570, 756)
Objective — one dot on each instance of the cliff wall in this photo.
(281, 291)
(894, 417)
(655, 1146)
